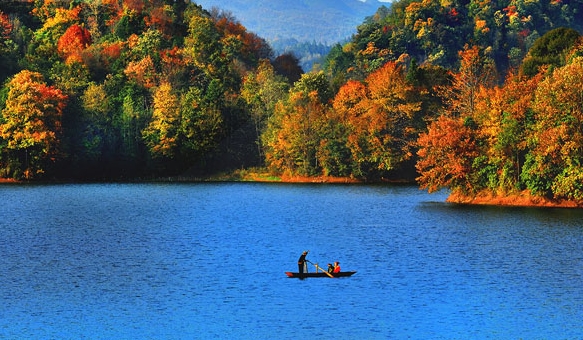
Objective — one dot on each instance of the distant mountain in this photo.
(320, 21)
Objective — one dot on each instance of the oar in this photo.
(325, 271)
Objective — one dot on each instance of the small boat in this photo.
(318, 274)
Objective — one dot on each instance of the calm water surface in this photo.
(199, 261)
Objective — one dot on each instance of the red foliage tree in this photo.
(73, 42)
(5, 28)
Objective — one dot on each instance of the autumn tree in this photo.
(389, 126)
(43, 47)
(446, 154)
(294, 133)
(448, 161)
(553, 166)
(142, 72)
(8, 48)
(73, 42)
(288, 65)
(348, 105)
(248, 47)
(476, 70)
(164, 17)
(31, 125)
(381, 117)
(505, 114)
(161, 134)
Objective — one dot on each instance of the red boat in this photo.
(318, 274)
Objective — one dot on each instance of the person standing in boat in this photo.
(336, 267)
(302, 262)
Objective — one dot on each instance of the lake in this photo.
(207, 260)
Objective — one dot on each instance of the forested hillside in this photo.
(463, 95)
(121, 89)
(490, 99)
(470, 95)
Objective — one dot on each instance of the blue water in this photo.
(204, 261)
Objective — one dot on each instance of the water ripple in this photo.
(207, 261)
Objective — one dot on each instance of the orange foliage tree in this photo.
(475, 71)
(446, 154)
(449, 150)
(390, 121)
(348, 105)
(142, 72)
(380, 117)
(31, 125)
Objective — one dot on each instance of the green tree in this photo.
(293, 135)
(202, 45)
(261, 91)
(505, 113)
(336, 65)
(95, 128)
(556, 140)
(201, 126)
(550, 50)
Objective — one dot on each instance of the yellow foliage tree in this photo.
(161, 134)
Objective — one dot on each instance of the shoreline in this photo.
(518, 199)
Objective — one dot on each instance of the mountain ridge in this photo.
(333, 20)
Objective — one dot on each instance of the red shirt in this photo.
(337, 269)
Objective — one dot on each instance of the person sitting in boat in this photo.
(330, 268)
(302, 262)
(336, 267)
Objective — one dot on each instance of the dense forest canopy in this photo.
(111, 89)
(468, 95)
